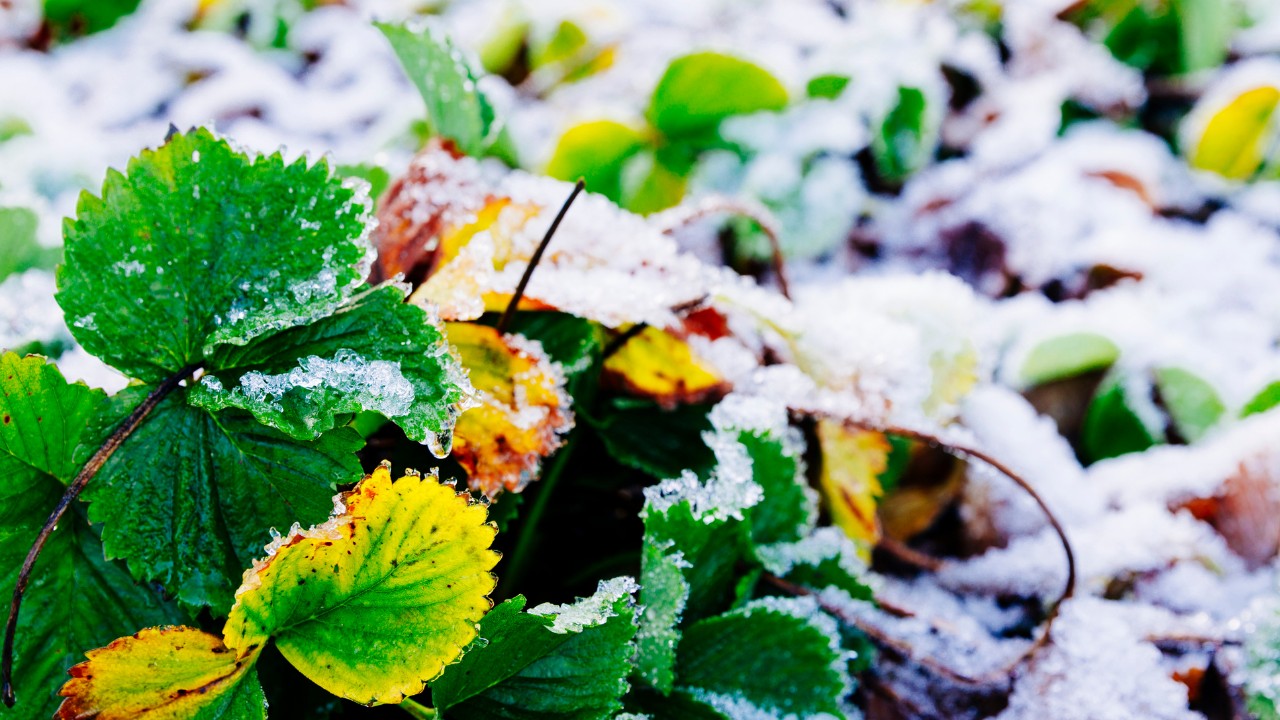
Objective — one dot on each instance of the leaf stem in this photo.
(91, 468)
(507, 314)
(523, 549)
(417, 710)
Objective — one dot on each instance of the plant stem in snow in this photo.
(507, 314)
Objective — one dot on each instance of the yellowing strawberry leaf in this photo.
(187, 499)
(852, 461)
(697, 91)
(656, 364)
(523, 412)
(735, 664)
(567, 661)
(375, 353)
(372, 604)
(165, 673)
(1236, 137)
(206, 246)
(81, 600)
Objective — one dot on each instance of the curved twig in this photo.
(678, 217)
(91, 468)
(510, 311)
(880, 637)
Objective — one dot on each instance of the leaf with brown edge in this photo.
(852, 461)
(658, 365)
(372, 604)
(523, 413)
(162, 674)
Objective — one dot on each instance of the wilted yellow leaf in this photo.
(523, 413)
(852, 461)
(1235, 140)
(162, 674)
(662, 367)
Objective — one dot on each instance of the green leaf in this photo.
(699, 90)
(378, 177)
(375, 602)
(375, 353)
(1193, 404)
(19, 249)
(1205, 29)
(189, 497)
(569, 661)
(736, 664)
(76, 599)
(789, 509)
(1067, 356)
(200, 246)
(1262, 664)
(574, 342)
(596, 152)
(1266, 399)
(649, 184)
(77, 17)
(825, 559)
(899, 146)
(666, 593)
(456, 109)
(662, 443)
(827, 87)
(162, 674)
(1111, 426)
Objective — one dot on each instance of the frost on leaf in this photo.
(372, 604)
(561, 661)
(852, 461)
(661, 366)
(207, 246)
(735, 664)
(376, 353)
(523, 412)
(162, 673)
(604, 264)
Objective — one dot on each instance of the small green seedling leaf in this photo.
(596, 152)
(699, 90)
(900, 145)
(456, 108)
(372, 604)
(1267, 398)
(1067, 356)
(567, 661)
(162, 674)
(1193, 404)
(19, 249)
(1111, 426)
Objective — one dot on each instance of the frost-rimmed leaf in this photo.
(738, 664)
(789, 509)
(825, 559)
(80, 599)
(568, 661)
(189, 497)
(372, 604)
(376, 353)
(656, 364)
(206, 246)
(523, 412)
(165, 673)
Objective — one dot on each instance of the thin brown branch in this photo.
(91, 468)
(510, 311)
(908, 555)
(674, 219)
(630, 333)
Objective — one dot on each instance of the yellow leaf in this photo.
(852, 461)
(662, 367)
(1236, 137)
(523, 413)
(372, 604)
(165, 673)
